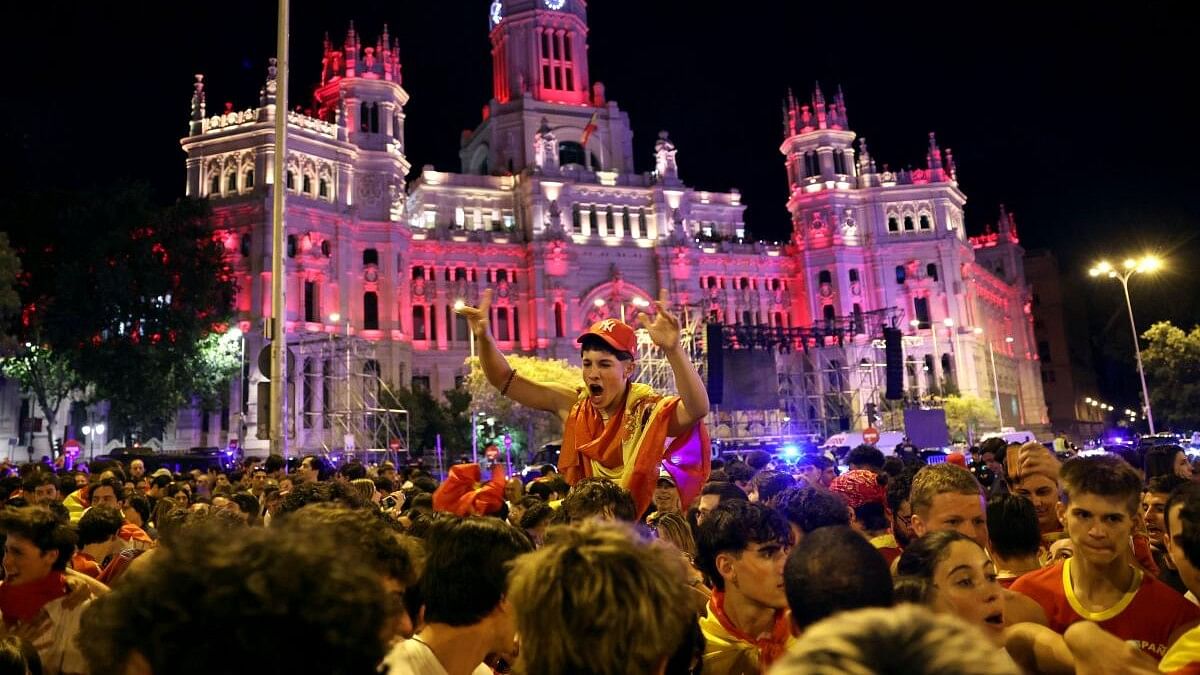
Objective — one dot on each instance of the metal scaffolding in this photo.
(654, 369)
(343, 405)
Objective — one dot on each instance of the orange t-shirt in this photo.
(1148, 616)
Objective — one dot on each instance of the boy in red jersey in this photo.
(1101, 583)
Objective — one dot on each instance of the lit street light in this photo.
(1145, 265)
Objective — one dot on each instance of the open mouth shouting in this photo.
(995, 619)
(596, 392)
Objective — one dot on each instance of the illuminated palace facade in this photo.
(548, 210)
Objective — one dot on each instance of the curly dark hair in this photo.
(731, 528)
(595, 496)
(809, 508)
(266, 591)
(323, 492)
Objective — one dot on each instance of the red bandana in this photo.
(861, 487)
(22, 603)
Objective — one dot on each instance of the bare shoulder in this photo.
(1020, 608)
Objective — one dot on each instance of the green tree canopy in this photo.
(1172, 361)
(967, 416)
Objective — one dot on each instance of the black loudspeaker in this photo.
(716, 364)
(894, 356)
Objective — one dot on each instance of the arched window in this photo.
(924, 222)
(249, 179)
(323, 188)
(214, 185)
(418, 320)
(901, 274)
(560, 323)
(231, 182)
(374, 118)
(418, 272)
(893, 224)
(931, 271)
(908, 223)
(825, 277)
(570, 152)
(854, 275)
(291, 180)
(370, 257)
(364, 116)
(307, 184)
(370, 311)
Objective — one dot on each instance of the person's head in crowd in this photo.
(258, 479)
(384, 486)
(947, 497)
(758, 460)
(673, 529)
(319, 493)
(905, 639)
(397, 559)
(387, 470)
(312, 469)
(598, 498)
(181, 492)
(37, 543)
(1183, 533)
(137, 469)
(867, 457)
(898, 489)
(465, 583)
(222, 483)
(97, 531)
(548, 489)
(1042, 490)
(1166, 459)
(1013, 532)
(425, 483)
(739, 473)
(834, 570)
(666, 494)
(289, 587)
(742, 548)
(41, 487)
(19, 657)
(536, 520)
(767, 485)
(960, 578)
(517, 509)
(353, 470)
(274, 465)
(366, 489)
(137, 511)
(514, 490)
(1154, 505)
(893, 466)
(159, 482)
(81, 480)
(1102, 495)
(816, 470)
(865, 492)
(246, 506)
(714, 493)
(809, 508)
(107, 492)
(638, 611)
(992, 453)
(142, 486)
(1060, 551)
(286, 484)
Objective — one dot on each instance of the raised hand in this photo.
(477, 317)
(664, 329)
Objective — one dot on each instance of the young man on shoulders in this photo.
(1101, 583)
(613, 427)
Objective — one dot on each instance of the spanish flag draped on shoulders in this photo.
(631, 446)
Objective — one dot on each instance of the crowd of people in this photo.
(637, 554)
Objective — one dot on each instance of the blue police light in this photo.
(790, 451)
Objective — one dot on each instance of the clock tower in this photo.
(539, 48)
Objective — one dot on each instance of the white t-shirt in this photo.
(413, 657)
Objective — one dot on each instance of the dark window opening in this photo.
(502, 332)
(560, 324)
(893, 225)
(924, 222)
(370, 310)
(418, 272)
(370, 256)
(921, 311)
(312, 309)
(825, 277)
(249, 178)
(901, 274)
(853, 276)
(214, 185)
(231, 183)
(908, 223)
(364, 116)
(570, 152)
(418, 318)
(931, 271)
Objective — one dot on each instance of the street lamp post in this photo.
(995, 377)
(237, 333)
(1146, 265)
(949, 323)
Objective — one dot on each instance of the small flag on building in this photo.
(589, 129)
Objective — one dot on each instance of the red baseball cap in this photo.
(618, 334)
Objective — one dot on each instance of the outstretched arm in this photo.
(664, 332)
(539, 395)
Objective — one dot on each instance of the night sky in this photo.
(1077, 122)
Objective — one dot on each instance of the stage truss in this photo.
(344, 401)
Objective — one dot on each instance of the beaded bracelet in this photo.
(508, 383)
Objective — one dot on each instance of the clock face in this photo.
(496, 13)
(554, 4)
